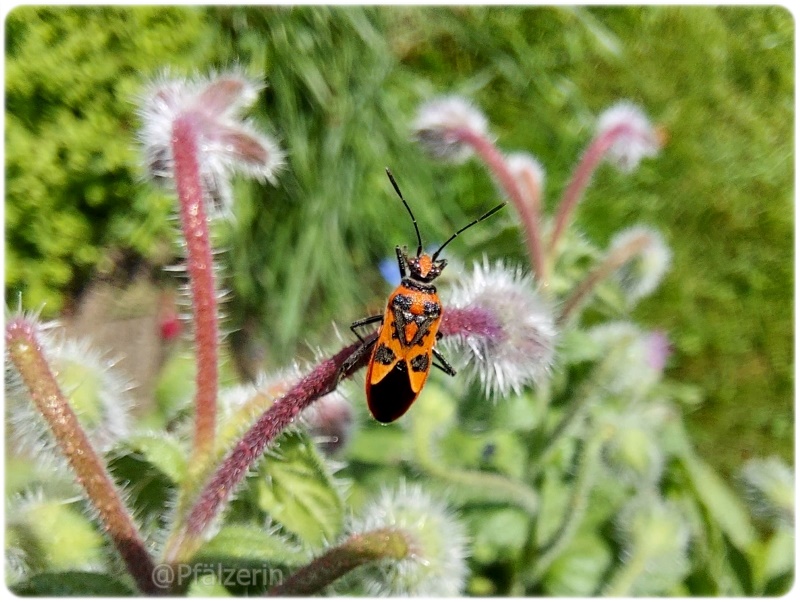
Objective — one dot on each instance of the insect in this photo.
(404, 350)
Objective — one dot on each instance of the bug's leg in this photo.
(364, 322)
(358, 355)
(445, 367)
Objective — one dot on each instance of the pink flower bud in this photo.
(503, 329)
(439, 126)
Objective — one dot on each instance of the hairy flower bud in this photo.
(94, 391)
(530, 175)
(632, 137)
(632, 452)
(436, 566)
(440, 123)
(227, 143)
(500, 325)
(769, 488)
(642, 273)
(655, 538)
(330, 422)
(636, 369)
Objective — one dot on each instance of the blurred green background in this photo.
(342, 87)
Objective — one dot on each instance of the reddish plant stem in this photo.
(613, 261)
(25, 351)
(323, 379)
(356, 551)
(200, 267)
(580, 180)
(496, 163)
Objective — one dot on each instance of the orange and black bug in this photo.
(404, 350)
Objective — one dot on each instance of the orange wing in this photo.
(387, 352)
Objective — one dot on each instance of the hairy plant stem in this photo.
(188, 532)
(25, 352)
(227, 434)
(580, 180)
(527, 209)
(200, 267)
(323, 379)
(358, 550)
(575, 510)
(612, 262)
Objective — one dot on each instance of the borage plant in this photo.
(578, 479)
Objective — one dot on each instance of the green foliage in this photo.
(727, 202)
(331, 78)
(588, 484)
(71, 162)
(341, 86)
(52, 535)
(298, 491)
(723, 183)
(72, 583)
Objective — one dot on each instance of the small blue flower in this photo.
(389, 271)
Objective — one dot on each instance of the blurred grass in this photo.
(343, 84)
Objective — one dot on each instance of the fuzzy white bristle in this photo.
(437, 565)
(227, 143)
(634, 136)
(521, 351)
(642, 274)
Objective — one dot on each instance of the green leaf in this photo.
(577, 346)
(242, 541)
(579, 570)
(498, 534)
(163, 452)
(176, 385)
(780, 554)
(148, 490)
(297, 490)
(553, 497)
(54, 536)
(72, 583)
(716, 496)
(773, 558)
(495, 450)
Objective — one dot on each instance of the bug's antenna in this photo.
(413, 219)
(469, 225)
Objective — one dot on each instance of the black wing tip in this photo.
(390, 398)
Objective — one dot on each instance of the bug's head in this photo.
(424, 268)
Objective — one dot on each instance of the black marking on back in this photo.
(402, 319)
(392, 396)
(401, 301)
(418, 286)
(431, 309)
(419, 363)
(384, 355)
